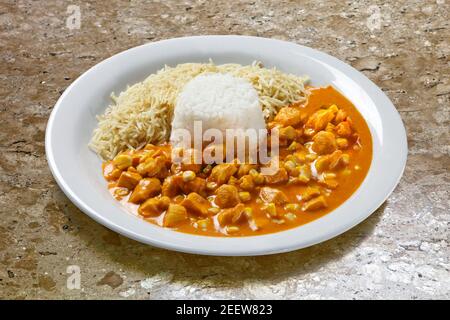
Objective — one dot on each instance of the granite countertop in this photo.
(401, 251)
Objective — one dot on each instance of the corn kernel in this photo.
(299, 157)
(303, 179)
(120, 192)
(188, 175)
(330, 183)
(333, 108)
(305, 173)
(288, 132)
(207, 169)
(279, 221)
(346, 172)
(293, 146)
(233, 180)
(345, 159)
(290, 216)
(309, 132)
(203, 223)
(244, 196)
(248, 212)
(213, 210)
(292, 207)
(289, 165)
(329, 175)
(322, 163)
(290, 157)
(294, 172)
(211, 185)
(232, 229)
(271, 209)
(311, 157)
(259, 179)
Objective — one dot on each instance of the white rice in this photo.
(217, 101)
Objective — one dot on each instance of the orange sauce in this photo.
(360, 157)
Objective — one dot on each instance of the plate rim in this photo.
(403, 153)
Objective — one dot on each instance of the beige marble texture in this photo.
(401, 251)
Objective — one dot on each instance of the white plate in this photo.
(78, 170)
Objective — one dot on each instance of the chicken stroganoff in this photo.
(325, 151)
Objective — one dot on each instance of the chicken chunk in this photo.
(152, 166)
(150, 208)
(123, 161)
(195, 203)
(288, 133)
(164, 203)
(247, 183)
(288, 116)
(319, 120)
(344, 129)
(244, 169)
(324, 142)
(341, 115)
(227, 196)
(163, 173)
(129, 180)
(175, 215)
(310, 193)
(342, 143)
(315, 204)
(259, 223)
(222, 173)
(147, 188)
(172, 186)
(337, 159)
(268, 195)
(281, 176)
(197, 185)
(111, 172)
(231, 215)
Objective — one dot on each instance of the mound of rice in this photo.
(143, 112)
(219, 101)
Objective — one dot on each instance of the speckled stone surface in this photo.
(401, 251)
